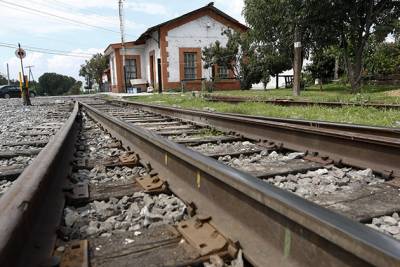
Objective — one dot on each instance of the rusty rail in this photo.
(291, 102)
(274, 227)
(353, 128)
(31, 210)
(358, 149)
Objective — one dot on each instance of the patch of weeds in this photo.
(348, 114)
(208, 132)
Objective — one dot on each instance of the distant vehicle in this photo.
(9, 91)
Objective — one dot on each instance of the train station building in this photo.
(170, 53)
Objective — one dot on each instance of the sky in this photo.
(30, 22)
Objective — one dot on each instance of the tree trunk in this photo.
(354, 72)
(320, 84)
(277, 81)
(336, 76)
(297, 62)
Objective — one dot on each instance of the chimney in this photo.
(211, 4)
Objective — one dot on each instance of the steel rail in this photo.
(31, 209)
(288, 102)
(274, 227)
(354, 128)
(380, 153)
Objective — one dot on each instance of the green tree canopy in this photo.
(320, 24)
(383, 59)
(355, 22)
(271, 60)
(55, 84)
(3, 80)
(276, 24)
(94, 68)
(322, 64)
(237, 56)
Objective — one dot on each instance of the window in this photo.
(223, 72)
(190, 66)
(131, 71)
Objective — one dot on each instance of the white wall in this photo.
(152, 44)
(272, 81)
(138, 50)
(195, 34)
(113, 69)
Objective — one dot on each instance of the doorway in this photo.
(152, 70)
(160, 87)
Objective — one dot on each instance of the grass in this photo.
(334, 92)
(351, 114)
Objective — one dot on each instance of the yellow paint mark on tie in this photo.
(166, 159)
(198, 179)
(287, 243)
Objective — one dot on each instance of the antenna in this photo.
(122, 28)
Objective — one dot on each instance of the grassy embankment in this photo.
(352, 114)
(331, 93)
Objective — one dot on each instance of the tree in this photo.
(383, 59)
(55, 84)
(3, 80)
(354, 23)
(282, 23)
(94, 68)
(322, 66)
(76, 89)
(272, 61)
(237, 56)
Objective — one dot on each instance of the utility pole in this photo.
(297, 61)
(30, 74)
(8, 75)
(122, 27)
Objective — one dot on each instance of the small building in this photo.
(170, 53)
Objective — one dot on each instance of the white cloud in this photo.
(232, 7)
(140, 6)
(34, 22)
(146, 7)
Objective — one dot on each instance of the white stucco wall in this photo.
(152, 44)
(112, 69)
(138, 50)
(272, 81)
(281, 81)
(195, 34)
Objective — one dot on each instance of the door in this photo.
(160, 87)
(152, 70)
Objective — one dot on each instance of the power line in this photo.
(69, 20)
(49, 51)
(63, 6)
(52, 50)
(43, 51)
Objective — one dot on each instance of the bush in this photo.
(384, 59)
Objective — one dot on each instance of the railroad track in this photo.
(134, 195)
(355, 145)
(25, 133)
(291, 102)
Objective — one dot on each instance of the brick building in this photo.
(170, 52)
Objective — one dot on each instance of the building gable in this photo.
(209, 10)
